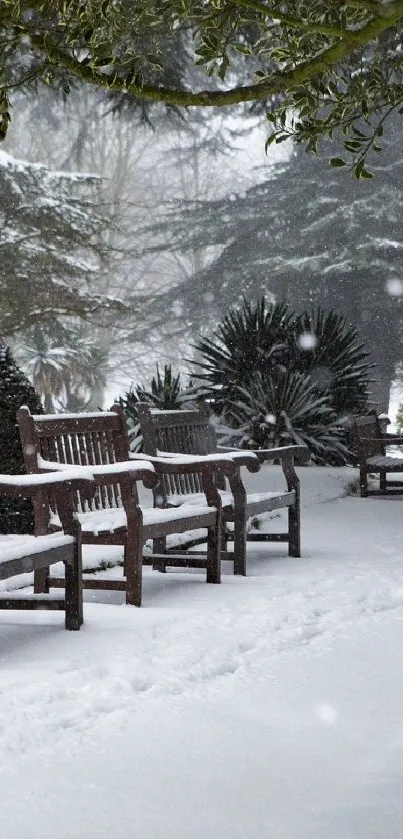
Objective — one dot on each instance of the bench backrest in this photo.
(367, 437)
(185, 432)
(79, 439)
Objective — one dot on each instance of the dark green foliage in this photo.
(275, 376)
(318, 65)
(338, 361)
(51, 233)
(256, 339)
(165, 392)
(16, 516)
(285, 409)
(248, 341)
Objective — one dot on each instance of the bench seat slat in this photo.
(38, 558)
(111, 521)
(258, 502)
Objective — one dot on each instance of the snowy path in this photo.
(269, 706)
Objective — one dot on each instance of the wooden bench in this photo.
(99, 441)
(191, 432)
(369, 443)
(24, 554)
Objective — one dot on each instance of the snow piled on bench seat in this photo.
(16, 547)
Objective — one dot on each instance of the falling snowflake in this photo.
(177, 308)
(327, 713)
(307, 341)
(394, 287)
(208, 297)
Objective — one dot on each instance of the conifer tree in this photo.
(16, 515)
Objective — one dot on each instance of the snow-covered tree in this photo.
(67, 370)
(48, 252)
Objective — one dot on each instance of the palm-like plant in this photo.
(47, 366)
(85, 376)
(249, 361)
(286, 409)
(64, 368)
(249, 340)
(330, 350)
(261, 338)
(165, 392)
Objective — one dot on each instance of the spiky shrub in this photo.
(16, 515)
(249, 340)
(329, 349)
(285, 409)
(257, 339)
(165, 392)
(260, 343)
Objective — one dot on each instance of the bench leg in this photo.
(74, 589)
(224, 542)
(159, 547)
(240, 519)
(240, 543)
(214, 552)
(294, 525)
(134, 566)
(363, 483)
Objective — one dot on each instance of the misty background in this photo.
(142, 227)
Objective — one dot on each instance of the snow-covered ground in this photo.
(269, 707)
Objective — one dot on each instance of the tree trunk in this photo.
(380, 389)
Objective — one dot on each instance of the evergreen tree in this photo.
(312, 237)
(16, 515)
(49, 230)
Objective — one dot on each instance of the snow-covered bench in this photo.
(190, 432)
(370, 443)
(24, 554)
(99, 441)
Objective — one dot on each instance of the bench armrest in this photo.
(242, 457)
(184, 464)
(283, 453)
(74, 478)
(63, 485)
(102, 475)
